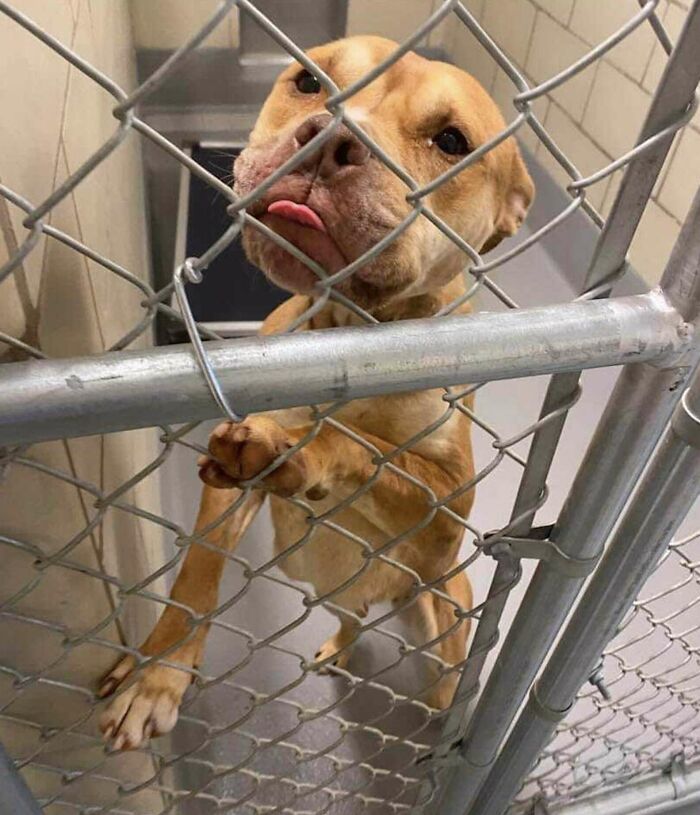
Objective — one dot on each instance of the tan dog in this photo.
(341, 201)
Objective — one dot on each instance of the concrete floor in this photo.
(265, 606)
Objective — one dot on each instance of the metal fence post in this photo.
(634, 419)
(669, 487)
(673, 94)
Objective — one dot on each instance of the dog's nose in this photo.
(342, 149)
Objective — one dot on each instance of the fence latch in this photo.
(536, 545)
(598, 681)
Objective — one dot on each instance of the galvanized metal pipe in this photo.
(672, 98)
(667, 492)
(634, 419)
(49, 399)
(637, 412)
(660, 795)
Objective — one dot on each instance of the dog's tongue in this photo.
(297, 212)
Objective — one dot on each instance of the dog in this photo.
(342, 200)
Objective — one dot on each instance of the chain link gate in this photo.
(308, 745)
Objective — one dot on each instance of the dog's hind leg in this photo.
(340, 645)
(435, 622)
(149, 705)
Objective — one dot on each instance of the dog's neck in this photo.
(408, 308)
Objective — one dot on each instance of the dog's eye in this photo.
(307, 82)
(452, 142)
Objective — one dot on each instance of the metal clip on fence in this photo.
(191, 271)
(538, 546)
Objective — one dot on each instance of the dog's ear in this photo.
(518, 193)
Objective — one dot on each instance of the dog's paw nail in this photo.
(119, 742)
(221, 430)
(107, 687)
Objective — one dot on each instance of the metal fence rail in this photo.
(309, 743)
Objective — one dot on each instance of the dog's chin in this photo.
(283, 268)
(367, 287)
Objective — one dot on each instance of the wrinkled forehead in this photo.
(349, 60)
(412, 91)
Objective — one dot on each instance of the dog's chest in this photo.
(396, 419)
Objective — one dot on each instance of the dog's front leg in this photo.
(149, 705)
(400, 499)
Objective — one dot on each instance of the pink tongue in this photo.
(297, 212)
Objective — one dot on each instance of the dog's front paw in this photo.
(148, 707)
(240, 452)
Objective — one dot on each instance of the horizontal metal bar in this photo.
(662, 794)
(49, 399)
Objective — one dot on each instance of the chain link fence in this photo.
(266, 727)
(647, 721)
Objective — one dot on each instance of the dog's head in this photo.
(342, 200)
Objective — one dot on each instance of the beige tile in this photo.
(169, 23)
(681, 181)
(653, 242)
(468, 54)
(545, 61)
(233, 28)
(18, 312)
(477, 7)
(35, 94)
(51, 523)
(611, 193)
(70, 598)
(110, 201)
(673, 21)
(560, 9)
(439, 36)
(526, 135)
(553, 168)
(133, 547)
(116, 227)
(595, 20)
(68, 322)
(86, 459)
(13, 318)
(509, 23)
(579, 149)
(111, 36)
(615, 111)
(503, 93)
